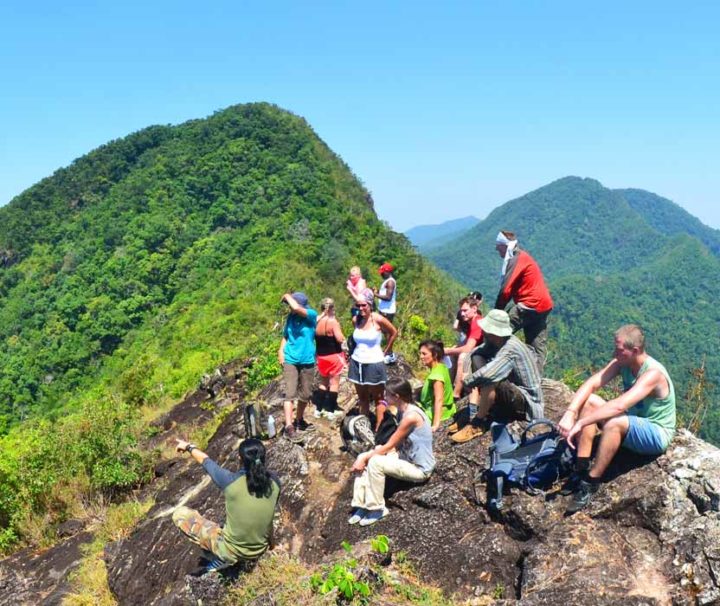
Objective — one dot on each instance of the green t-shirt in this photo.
(439, 372)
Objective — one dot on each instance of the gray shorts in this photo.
(367, 374)
(298, 380)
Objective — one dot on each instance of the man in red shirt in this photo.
(469, 312)
(522, 283)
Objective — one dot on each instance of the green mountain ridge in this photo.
(151, 261)
(609, 260)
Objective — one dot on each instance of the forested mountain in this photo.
(425, 237)
(610, 257)
(669, 218)
(152, 260)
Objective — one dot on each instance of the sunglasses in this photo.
(361, 305)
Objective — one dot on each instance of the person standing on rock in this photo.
(251, 495)
(297, 358)
(387, 299)
(407, 455)
(507, 377)
(330, 360)
(522, 282)
(367, 361)
(642, 419)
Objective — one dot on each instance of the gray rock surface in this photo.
(651, 536)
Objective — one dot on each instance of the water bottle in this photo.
(251, 424)
(271, 426)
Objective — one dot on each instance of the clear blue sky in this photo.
(443, 109)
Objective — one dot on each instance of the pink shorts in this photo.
(331, 365)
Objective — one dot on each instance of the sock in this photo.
(331, 404)
(582, 465)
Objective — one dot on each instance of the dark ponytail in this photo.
(252, 454)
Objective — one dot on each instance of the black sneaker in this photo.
(571, 484)
(582, 496)
(303, 425)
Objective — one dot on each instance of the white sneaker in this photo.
(318, 413)
(335, 414)
(357, 515)
(374, 516)
(390, 358)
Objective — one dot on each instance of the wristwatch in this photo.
(189, 448)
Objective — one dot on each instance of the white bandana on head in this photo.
(509, 253)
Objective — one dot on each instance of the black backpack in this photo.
(534, 463)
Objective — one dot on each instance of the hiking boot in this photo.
(303, 425)
(357, 515)
(454, 428)
(582, 496)
(571, 484)
(216, 565)
(472, 430)
(374, 516)
(293, 434)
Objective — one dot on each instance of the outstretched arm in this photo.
(589, 387)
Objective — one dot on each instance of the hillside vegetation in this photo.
(150, 261)
(610, 257)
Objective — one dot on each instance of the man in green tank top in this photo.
(642, 419)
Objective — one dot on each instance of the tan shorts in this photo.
(298, 379)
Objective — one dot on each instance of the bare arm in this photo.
(281, 351)
(389, 290)
(468, 346)
(337, 332)
(589, 387)
(294, 305)
(439, 394)
(409, 421)
(195, 453)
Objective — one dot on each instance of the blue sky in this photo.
(443, 109)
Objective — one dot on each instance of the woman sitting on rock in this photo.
(250, 498)
(407, 455)
(436, 397)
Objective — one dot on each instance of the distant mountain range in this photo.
(426, 237)
(610, 257)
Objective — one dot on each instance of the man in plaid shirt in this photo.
(508, 378)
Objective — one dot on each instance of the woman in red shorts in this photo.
(330, 360)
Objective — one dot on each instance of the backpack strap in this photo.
(537, 423)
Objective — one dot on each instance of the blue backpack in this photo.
(533, 463)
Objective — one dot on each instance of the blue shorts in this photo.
(644, 437)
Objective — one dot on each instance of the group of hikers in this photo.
(497, 374)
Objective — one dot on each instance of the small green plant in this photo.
(499, 592)
(380, 544)
(342, 577)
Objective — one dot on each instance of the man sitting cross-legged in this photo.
(509, 382)
(642, 419)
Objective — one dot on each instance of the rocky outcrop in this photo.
(651, 536)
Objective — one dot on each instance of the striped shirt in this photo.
(516, 363)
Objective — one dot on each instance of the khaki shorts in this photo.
(298, 379)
